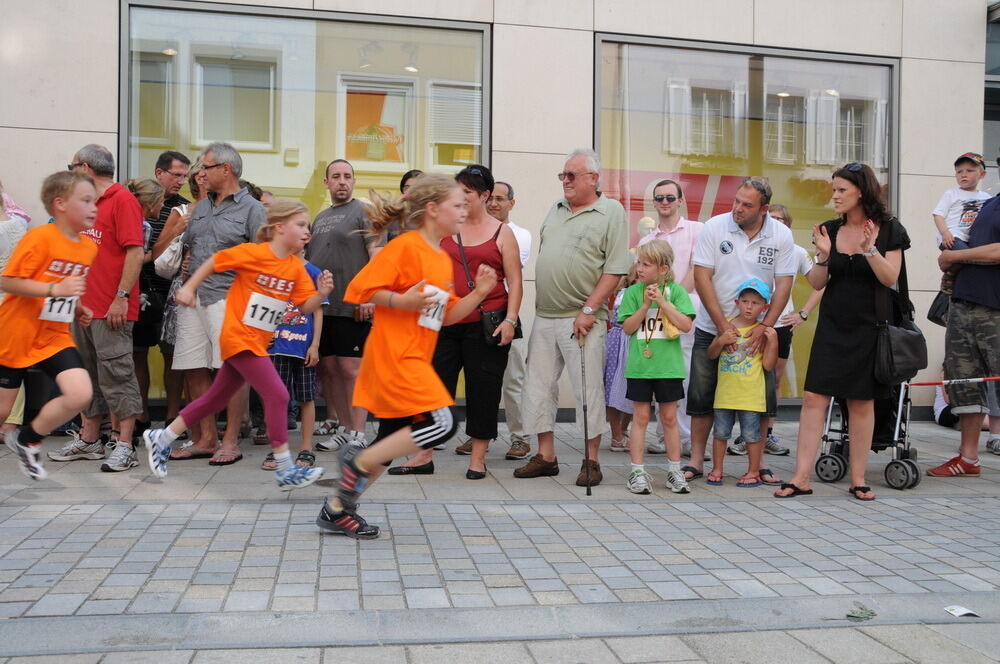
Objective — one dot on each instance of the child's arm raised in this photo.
(324, 284)
(770, 358)
(632, 324)
(725, 338)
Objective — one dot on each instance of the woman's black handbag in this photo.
(938, 311)
(900, 350)
(490, 319)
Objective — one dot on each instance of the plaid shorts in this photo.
(299, 379)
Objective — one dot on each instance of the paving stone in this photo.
(497, 653)
(262, 656)
(847, 646)
(924, 645)
(752, 647)
(571, 651)
(57, 605)
(375, 655)
(642, 649)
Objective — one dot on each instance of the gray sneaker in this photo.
(655, 446)
(772, 446)
(638, 482)
(122, 458)
(993, 445)
(738, 447)
(686, 451)
(78, 448)
(676, 481)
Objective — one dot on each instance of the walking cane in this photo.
(586, 430)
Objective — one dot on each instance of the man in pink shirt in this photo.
(681, 234)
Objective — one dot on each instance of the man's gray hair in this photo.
(225, 153)
(99, 158)
(593, 161)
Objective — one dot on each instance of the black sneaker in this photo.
(345, 523)
(353, 480)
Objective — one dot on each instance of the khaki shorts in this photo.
(107, 356)
(551, 348)
(972, 350)
(198, 332)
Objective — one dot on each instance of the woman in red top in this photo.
(410, 283)
(483, 240)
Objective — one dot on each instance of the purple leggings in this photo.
(245, 367)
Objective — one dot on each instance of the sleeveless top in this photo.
(487, 253)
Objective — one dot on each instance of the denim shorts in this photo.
(726, 418)
(703, 377)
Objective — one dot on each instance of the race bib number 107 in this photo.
(263, 312)
(58, 309)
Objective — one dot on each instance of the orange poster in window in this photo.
(374, 120)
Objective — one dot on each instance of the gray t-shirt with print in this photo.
(340, 244)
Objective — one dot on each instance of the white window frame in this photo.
(168, 111)
(351, 81)
(429, 136)
(197, 108)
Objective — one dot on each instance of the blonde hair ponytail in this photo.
(149, 193)
(408, 210)
(281, 210)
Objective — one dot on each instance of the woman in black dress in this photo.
(855, 273)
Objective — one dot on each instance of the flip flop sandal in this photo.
(308, 457)
(184, 454)
(269, 462)
(225, 458)
(796, 491)
(767, 471)
(855, 490)
(695, 473)
(260, 436)
(717, 482)
(749, 482)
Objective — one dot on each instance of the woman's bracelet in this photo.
(513, 323)
(389, 304)
(822, 263)
(52, 288)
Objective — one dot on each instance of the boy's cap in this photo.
(974, 157)
(757, 286)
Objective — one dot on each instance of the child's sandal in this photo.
(269, 463)
(306, 458)
(715, 479)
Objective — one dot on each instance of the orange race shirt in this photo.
(396, 377)
(264, 284)
(36, 328)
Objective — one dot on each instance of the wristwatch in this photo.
(871, 252)
(122, 294)
(804, 314)
(587, 310)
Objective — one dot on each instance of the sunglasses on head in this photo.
(854, 167)
(670, 198)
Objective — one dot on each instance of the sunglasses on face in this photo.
(567, 176)
(670, 198)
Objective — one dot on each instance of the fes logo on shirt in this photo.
(58, 268)
(275, 284)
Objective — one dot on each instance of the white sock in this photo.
(973, 462)
(638, 466)
(284, 460)
(674, 466)
(168, 436)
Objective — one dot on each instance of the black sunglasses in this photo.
(854, 167)
(670, 198)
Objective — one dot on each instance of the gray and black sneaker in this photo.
(772, 446)
(77, 448)
(738, 447)
(345, 523)
(122, 458)
(28, 456)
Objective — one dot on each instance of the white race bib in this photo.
(652, 322)
(433, 316)
(59, 309)
(263, 312)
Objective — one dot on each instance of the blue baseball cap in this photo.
(758, 286)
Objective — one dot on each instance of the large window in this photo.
(709, 118)
(293, 93)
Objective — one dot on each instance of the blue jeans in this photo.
(749, 424)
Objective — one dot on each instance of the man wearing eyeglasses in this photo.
(583, 252)
(681, 234)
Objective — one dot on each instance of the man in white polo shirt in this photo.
(732, 248)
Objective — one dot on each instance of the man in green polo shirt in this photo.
(582, 255)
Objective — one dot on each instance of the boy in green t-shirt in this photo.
(739, 393)
(654, 312)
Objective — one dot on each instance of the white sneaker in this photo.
(676, 481)
(655, 446)
(357, 438)
(76, 448)
(122, 458)
(772, 446)
(638, 482)
(619, 445)
(339, 438)
(738, 447)
(993, 445)
(157, 452)
(28, 456)
(686, 451)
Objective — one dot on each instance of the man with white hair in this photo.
(582, 254)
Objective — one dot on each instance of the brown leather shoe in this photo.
(465, 448)
(518, 450)
(595, 473)
(538, 467)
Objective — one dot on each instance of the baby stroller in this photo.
(892, 416)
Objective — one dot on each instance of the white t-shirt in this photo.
(523, 237)
(959, 209)
(734, 258)
(803, 264)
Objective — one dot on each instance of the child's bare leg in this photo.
(755, 455)
(615, 421)
(637, 437)
(307, 415)
(718, 454)
(372, 459)
(671, 432)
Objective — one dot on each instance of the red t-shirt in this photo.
(118, 226)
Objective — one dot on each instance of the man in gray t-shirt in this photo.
(341, 245)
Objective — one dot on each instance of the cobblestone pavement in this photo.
(107, 565)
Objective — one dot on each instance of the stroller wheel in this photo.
(831, 467)
(917, 475)
(899, 474)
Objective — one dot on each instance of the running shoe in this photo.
(772, 446)
(638, 482)
(28, 456)
(156, 451)
(655, 446)
(353, 480)
(122, 458)
(297, 476)
(357, 439)
(345, 523)
(993, 445)
(676, 482)
(336, 441)
(738, 447)
(620, 445)
(955, 467)
(77, 448)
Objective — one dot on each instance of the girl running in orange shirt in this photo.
(410, 283)
(44, 280)
(268, 275)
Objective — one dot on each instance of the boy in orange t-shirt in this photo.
(410, 283)
(268, 276)
(44, 279)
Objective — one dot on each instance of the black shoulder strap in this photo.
(465, 263)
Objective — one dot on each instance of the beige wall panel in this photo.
(37, 154)
(932, 130)
(869, 27)
(455, 10)
(719, 20)
(575, 14)
(59, 60)
(934, 334)
(918, 194)
(543, 89)
(938, 31)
